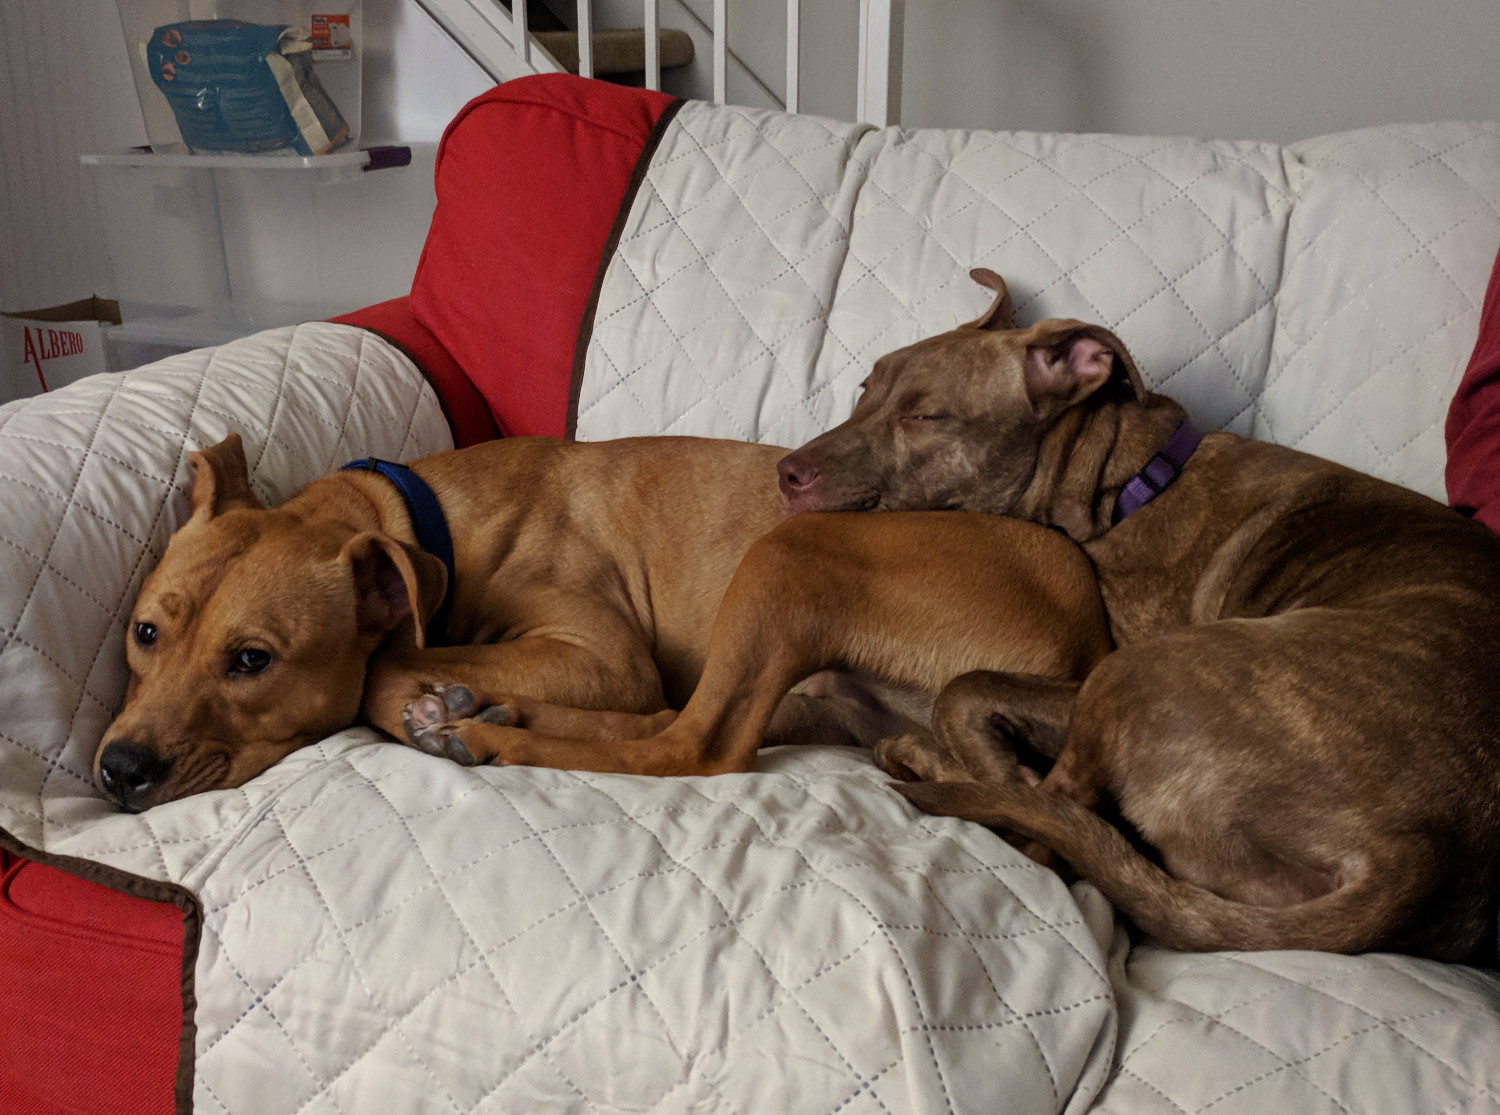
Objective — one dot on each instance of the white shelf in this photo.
(220, 324)
(356, 160)
(207, 248)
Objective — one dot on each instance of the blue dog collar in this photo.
(431, 525)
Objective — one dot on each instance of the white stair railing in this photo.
(881, 27)
(651, 25)
(721, 51)
(481, 27)
(793, 55)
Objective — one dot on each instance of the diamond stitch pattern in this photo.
(1323, 295)
(735, 944)
(1279, 292)
(1387, 250)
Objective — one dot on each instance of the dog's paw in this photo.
(443, 741)
(445, 704)
(917, 758)
(433, 721)
(448, 704)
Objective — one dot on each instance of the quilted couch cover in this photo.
(383, 931)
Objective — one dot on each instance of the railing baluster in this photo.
(793, 54)
(721, 51)
(520, 21)
(585, 38)
(652, 21)
(880, 33)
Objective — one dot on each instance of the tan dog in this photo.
(587, 575)
(1303, 720)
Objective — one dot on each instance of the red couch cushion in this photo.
(1473, 427)
(95, 1000)
(531, 178)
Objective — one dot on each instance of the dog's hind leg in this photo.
(912, 600)
(986, 727)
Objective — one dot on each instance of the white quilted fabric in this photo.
(1285, 292)
(1273, 1032)
(394, 933)
(1388, 250)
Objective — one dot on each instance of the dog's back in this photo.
(656, 524)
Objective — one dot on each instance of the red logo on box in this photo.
(49, 345)
(331, 32)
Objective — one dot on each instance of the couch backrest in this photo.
(1323, 295)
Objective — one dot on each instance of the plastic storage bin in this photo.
(265, 77)
(204, 249)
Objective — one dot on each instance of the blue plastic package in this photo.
(244, 88)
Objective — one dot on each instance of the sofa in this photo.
(365, 928)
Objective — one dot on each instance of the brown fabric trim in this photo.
(586, 326)
(152, 890)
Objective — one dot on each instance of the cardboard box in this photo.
(41, 350)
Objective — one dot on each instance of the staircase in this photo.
(673, 50)
(619, 53)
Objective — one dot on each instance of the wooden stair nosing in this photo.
(618, 51)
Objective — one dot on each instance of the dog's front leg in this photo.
(608, 743)
(547, 683)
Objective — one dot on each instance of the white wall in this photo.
(415, 78)
(66, 90)
(1269, 69)
(1266, 69)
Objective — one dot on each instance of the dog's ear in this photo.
(1067, 361)
(393, 582)
(1000, 315)
(221, 479)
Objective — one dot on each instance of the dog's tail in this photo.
(1366, 911)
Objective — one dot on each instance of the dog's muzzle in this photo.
(128, 773)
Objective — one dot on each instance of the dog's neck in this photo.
(1087, 458)
(360, 501)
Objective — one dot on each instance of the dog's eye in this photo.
(145, 633)
(250, 660)
(935, 416)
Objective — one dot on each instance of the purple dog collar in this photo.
(1160, 471)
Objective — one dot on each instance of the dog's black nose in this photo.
(797, 473)
(128, 773)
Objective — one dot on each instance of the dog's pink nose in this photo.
(797, 474)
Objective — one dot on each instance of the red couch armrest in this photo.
(533, 180)
(1473, 427)
(96, 995)
(468, 414)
